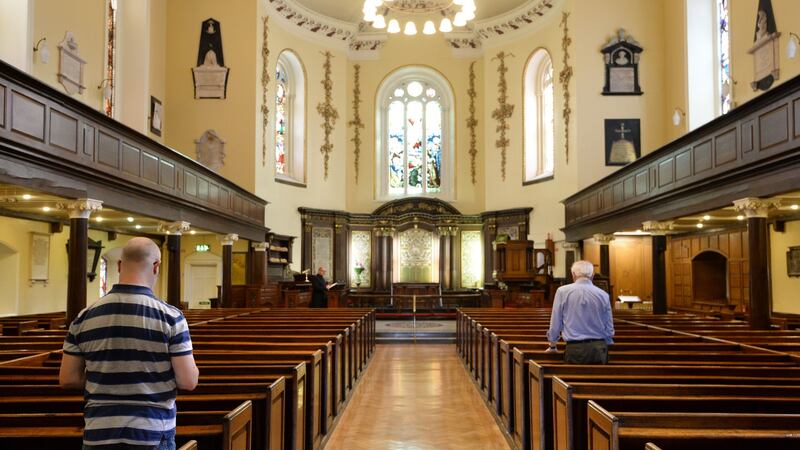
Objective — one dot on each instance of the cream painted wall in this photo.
(432, 52)
(232, 118)
(282, 216)
(133, 64)
(784, 287)
(157, 63)
(16, 35)
(85, 19)
(39, 297)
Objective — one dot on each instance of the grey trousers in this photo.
(587, 353)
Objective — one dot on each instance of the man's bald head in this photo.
(139, 263)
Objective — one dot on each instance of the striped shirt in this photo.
(127, 339)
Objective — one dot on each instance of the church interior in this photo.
(445, 162)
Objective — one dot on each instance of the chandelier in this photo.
(453, 13)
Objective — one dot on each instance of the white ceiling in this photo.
(350, 10)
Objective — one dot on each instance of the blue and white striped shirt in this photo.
(127, 339)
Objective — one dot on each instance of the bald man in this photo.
(130, 352)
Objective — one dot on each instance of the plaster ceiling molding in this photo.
(366, 46)
(465, 44)
(318, 27)
(515, 21)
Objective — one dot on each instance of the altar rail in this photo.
(754, 150)
(415, 303)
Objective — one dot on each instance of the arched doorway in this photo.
(9, 279)
(203, 273)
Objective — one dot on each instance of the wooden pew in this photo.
(690, 431)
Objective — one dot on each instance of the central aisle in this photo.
(416, 397)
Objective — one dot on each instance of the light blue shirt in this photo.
(581, 311)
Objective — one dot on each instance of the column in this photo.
(570, 256)
(605, 262)
(340, 268)
(757, 210)
(79, 213)
(446, 234)
(489, 235)
(658, 232)
(259, 263)
(227, 261)
(174, 232)
(383, 246)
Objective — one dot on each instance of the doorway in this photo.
(9, 279)
(203, 275)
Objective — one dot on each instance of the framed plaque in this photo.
(621, 56)
(40, 257)
(793, 262)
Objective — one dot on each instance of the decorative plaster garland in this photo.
(564, 76)
(504, 110)
(327, 111)
(356, 123)
(472, 122)
(264, 82)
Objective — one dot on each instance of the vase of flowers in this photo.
(358, 268)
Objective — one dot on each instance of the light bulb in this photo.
(706, 217)
(129, 219)
(379, 22)
(468, 7)
(394, 26)
(429, 28)
(699, 225)
(469, 15)
(410, 29)
(27, 196)
(193, 232)
(98, 219)
(791, 47)
(795, 207)
(45, 208)
(676, 117)
(138, 227)
(739, 217)
(459, 20)
(370, 14)
(446, 26)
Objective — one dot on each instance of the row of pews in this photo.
(269, 380)
(673, 382)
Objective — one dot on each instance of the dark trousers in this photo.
(586, 353)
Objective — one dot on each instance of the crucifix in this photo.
(621, 130)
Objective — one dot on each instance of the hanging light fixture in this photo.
(453, 13)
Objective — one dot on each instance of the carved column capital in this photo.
(228, 239)
(658, 228)
(753, 207)
(570, 245)
(81, 208)
(260, 246)
(447, 230)
(384, 231)
(176, 228)
(604, 239)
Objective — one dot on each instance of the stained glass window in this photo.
(110, 57)
(725, 86)
(281, 120)
(414, 139)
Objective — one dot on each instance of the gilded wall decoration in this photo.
(504, 110)
(361, 253)
(356, 123)
(471, 259)
(264, 83)
(564, 77)
(511, 231)
(416, 256)
(472, 122)
(327, 111)
(322, 250)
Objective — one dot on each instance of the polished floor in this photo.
(416, 397)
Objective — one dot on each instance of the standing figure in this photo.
(319, 293)
(130, 352)
(582, 316)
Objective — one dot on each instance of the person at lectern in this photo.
(319, 293)
(582, 316)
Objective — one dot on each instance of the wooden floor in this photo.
(416, 398)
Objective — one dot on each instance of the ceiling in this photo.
(350, 10)
(29, 204)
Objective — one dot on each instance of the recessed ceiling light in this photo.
(45, 208)
(129, 219)
(740, 217)
(795, 207)
(99, 219)
(167, 232)
(193, 232)
(706, 217)
(27, 196)
(699, 225)
(138, 227)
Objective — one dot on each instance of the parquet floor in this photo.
(416, 398)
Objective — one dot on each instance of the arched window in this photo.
(290, 108)
(415, 135)
(539, 131)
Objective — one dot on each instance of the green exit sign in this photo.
(200, 248)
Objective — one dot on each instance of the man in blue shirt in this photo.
(582, 316)
(130, 352)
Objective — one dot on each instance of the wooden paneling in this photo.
(773, 127)
(683, 165)
(702, 157)
(666, 172)
(191, 184)
(150, 167)
(108, 150)
(167, 174)
(725, 148)
(2, 105)
(682, 249)
(88, 140)
(27, 116)
(63, 131)
(641, 183)
(747, 137)
(131, 162)
(795, 114)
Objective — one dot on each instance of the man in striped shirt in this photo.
(130, 352)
